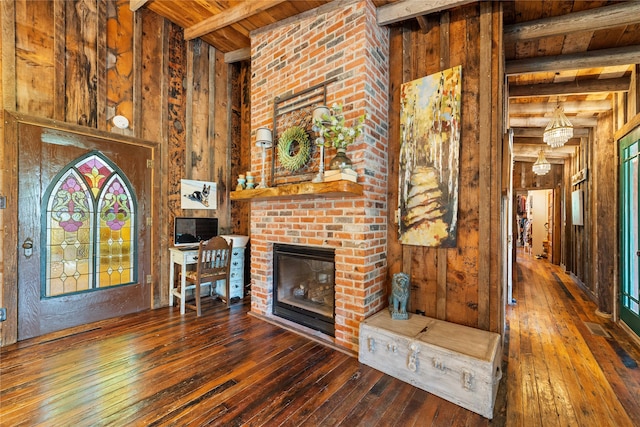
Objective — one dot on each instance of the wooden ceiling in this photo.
(576, 53)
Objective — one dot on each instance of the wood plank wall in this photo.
(83, 62)
(461, 284)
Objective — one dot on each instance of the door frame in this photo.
(9, 215)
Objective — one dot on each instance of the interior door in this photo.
(69, 275)
(630, 222)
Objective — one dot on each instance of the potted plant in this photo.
(332, 132)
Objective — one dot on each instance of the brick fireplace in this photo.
(343, 44)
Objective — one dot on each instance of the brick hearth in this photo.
(343, 42)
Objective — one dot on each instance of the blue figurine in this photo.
(399, 296)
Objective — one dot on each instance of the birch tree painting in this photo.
(429, 159)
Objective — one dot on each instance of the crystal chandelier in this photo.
(559, 129)
(541, 166)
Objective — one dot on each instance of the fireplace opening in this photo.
(304, 286)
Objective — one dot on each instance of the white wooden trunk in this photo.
(455, 362)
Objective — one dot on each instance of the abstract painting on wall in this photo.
(429, 159)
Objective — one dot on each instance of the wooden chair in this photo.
(213, 264)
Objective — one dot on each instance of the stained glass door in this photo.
(83, 204)
(630, 222)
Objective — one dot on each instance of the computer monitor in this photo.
(189, 231)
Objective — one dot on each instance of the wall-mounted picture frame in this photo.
(577, 207)
(198, 194)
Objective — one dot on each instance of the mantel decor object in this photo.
(264, 139)
(333, 132)
(318, 114)
(293, 148)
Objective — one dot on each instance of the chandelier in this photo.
(541, 166)
(559, 129)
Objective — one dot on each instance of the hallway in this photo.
(559, 372)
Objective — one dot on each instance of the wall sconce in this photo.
(319, 115)
(264, 139)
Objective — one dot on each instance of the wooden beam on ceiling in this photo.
(408, 9)
(600, 18)
(136, 4)
(228, 16)
(576, 87)
(575, 61)
(537, 122)
(576, 107)
(537, 132)
(520, 141)
(237, 55)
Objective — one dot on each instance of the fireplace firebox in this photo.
(304, 286)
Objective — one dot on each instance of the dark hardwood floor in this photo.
(229, 368)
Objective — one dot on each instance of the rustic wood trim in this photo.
(537, 132)
(60, 63)
(445, 20)
(229, 16)
(537, 122)
(618, 15)
(485, 107)
(407, 9)
(243, 54)
(576, 107)
(9, 329)
(9, 101)
(161, 297)
(137, 75)
(340, 188)
(101, 66)
(395, 253)
(221, 171)
(188, 122)
(134, 5)
(577, 87)
(633, 123)
(591, 59)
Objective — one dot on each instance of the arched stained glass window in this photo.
(90, 228)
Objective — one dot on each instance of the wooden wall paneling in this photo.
(59, 60)
(176, 135)
(33, 60)
(240, 139)
(443, 33)
(605, 214)
(8, 56)
(151, 122)
(397, 70)
(220, 136)
(9, 221)
(496, 282)
(199, 161)
(122, 36)
(486, 205)
(462, 262)
(102, 84)
(81, 62)
(558, 237)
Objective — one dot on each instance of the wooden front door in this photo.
(83, 239)
(630, 224)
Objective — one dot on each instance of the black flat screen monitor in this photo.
(189, 231)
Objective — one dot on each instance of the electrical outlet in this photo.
(3, 314)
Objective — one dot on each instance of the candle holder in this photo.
(320, 115)
(264, 140)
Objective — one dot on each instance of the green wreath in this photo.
(286, 147)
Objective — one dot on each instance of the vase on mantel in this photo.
(340, 161)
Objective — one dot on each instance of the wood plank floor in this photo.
(229, 368)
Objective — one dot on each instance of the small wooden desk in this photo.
(182, 256)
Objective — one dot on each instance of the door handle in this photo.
(27, 245)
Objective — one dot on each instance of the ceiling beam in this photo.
(537, 132)
(407, 9)
(600, 18)
(575, 61)
(229, 16)
(237, 55)
(576, 107)
(537, 122)
(136, 4)
(521, 142)
(576, 87)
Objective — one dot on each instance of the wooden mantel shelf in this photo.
(341, 188)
